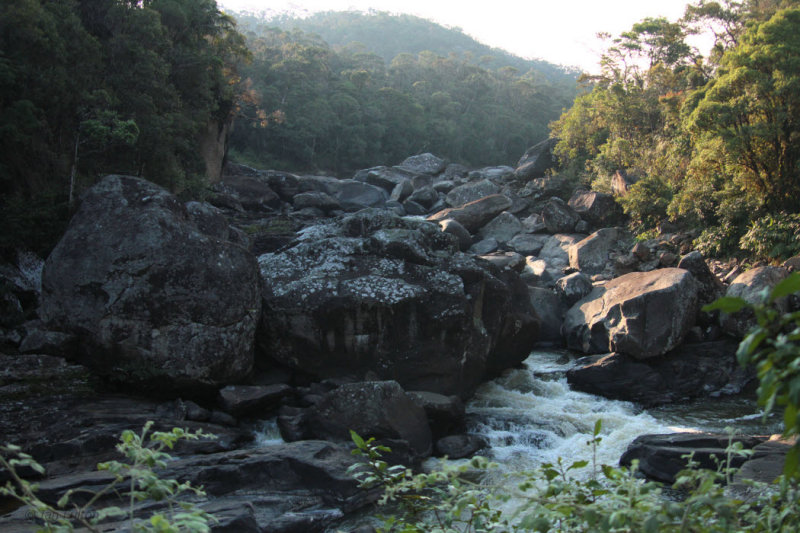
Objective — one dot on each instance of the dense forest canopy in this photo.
(343, 91)
(710, 142)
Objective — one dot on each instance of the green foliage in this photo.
(145, 453)
(646, 202)
(774, 237)
(564, 497)
(773, 346)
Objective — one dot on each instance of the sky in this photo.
(559, 31)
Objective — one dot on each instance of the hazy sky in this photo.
(560, 31)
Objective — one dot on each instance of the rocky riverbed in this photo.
(378, 303)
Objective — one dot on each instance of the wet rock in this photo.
(690, 371)
(551, 313)
(460, 446)
(152, 299)
(642, 314)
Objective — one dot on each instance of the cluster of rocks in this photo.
(375, 304)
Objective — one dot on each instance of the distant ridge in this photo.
(389, 35)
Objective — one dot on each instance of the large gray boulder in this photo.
(374, 293)
(597, 208)
(426, 163)
(641, 314)
(150, 297)
(474, 215)
(470, 192)
(537, 160)
(355, 195)
(503, 227)
(592, 255)
(559, 217)
(388, 177)
(750, 286)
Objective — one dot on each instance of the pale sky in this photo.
(559, 31)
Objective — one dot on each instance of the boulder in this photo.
(641, 314)
(151, 298)
(401, 191)
(425, 196)
(445, 413)
(534, 223)
(544, 187)
(556, 249)
(414, 209)
(687, 372)
(750, 287)
(503, 228)
(251, 192)
(573, 287)
(388, 178)
(709, 286)
(320, 200)
(375, 293)
(460, 446)
(475, 215)
(597, 208)
(326, 184)
(458, 231)
(592, 255)
(558, 217)
(662, 456)
(379, 409)
(537, 160)
(485, 246)
(252, 400)
(426, 163)
(354, 195)
(527, 244)
(551, 310)
(470, 192)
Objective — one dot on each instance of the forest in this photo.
(704, 140)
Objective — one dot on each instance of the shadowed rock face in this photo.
(642, 314)
(377, 293)
(150, 297)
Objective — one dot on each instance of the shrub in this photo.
(773, 237)
(145, 453)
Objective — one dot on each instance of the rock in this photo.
(527, 244)
(414, 209)
(286, 185)
(475, 215)
(642, 314)
(582, 227)
(328, 185)
(20, 289)
(573, 287)
(499, 174)
(252, 400)
(689, 371)
(354, 196)
(39, 340)
(709, 286)
(556, 249)
(460, 446)
(210, 220)
(251, 192)
(470, 192)
(503, 228)
(320, 200)
(151, 298)
(426, 163)
(596, 208)
(425, 196)
(388, 178)
(620, 183)
(445, 413)
(444, 187)
(401, 191)
(592, 255)
(372, 292)
(661, 457)
(537, 160)
(764, 466)
(558, 217)
(455, 172)
(544, 187)
(505, 260)
(485, 246)
(534, 223)
(420, 181)
(379, 409)
(667, 259)
(792, 264)
(459, 232)
(750, 286)
(551, 310)
(642, 252)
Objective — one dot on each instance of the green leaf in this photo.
(788, 286)
(598, 425)
(578, 464)
(726, 304)
(357, 440)
(790, 467)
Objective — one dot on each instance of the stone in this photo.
(252, 400)
(527, 244)
(792, 264)
(209, 220)
(445, 414)
(662, 456)
(251, 192)
(598, 209)
(556, 249)
(592, 255)
(642, 252)
(709, 286)
(499, 174)
(475, 215)
(667, 259)
(320, 200)
(354, 196)
(485, 246)
(546, 187)
(460, 446)
(326, 184)
(503, 228)
(379, 409)
(537, 160)
(388, 178)
(687, 372)
(573, 287)
(444, 187)
(151, 298)
(458, 231)
(505, 260)
(425, 196)
(558, 217)
(551, 311)
(641, 314)
(376, 293)
(426, 163)
(750, 287)
(401, 191)
(470, 192)
(534, 223)
(412, 208)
